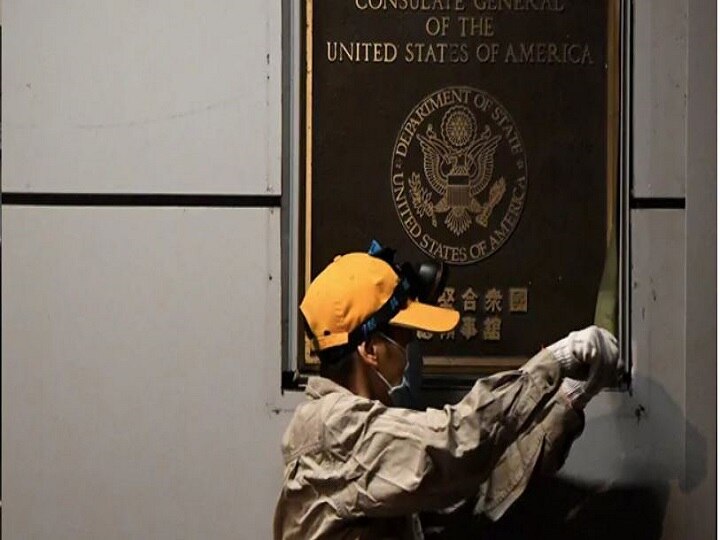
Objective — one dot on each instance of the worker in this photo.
(357, 466)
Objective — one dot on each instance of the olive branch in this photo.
(421, 199)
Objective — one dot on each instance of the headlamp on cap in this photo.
(427, 280)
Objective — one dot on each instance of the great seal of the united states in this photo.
(459, 175)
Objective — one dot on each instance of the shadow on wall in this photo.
(558, 509)
(616, 482)
(643, 439)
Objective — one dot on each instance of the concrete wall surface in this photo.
(141, 97)
(136, 369)
(141, 346)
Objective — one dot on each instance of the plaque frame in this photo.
(453, 370)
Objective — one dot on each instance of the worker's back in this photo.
(319, 493)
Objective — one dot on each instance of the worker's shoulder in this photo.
(316, 423)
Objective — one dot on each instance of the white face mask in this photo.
(401, 394)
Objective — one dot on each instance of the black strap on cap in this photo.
(393, 306)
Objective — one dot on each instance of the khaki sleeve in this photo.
(541, 448)
(400, 461)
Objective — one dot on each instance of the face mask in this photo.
(405, 394)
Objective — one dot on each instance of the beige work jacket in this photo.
(356, 469)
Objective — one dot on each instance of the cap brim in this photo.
(426, 317)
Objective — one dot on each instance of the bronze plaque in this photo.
(478, 132)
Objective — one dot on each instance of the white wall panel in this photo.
(701, 274)
(660, 82)
(639, 439)
(136, 350)
(142, 97)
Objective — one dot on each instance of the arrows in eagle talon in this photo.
(496, 194)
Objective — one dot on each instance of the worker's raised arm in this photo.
(402, 461)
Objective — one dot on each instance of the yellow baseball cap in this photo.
(358, 292)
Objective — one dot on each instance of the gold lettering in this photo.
(469, 327)
(476, 26)
(548, 53)
(492, 328)
(557, 6)
(518, 300)
(361, 52)
(482, 102)
(411, 5)
(486, 53)
(398, 184)
(436, 53)
(412, 226)
(478, 250)
(456, 254)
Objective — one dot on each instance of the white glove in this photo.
(590, 359)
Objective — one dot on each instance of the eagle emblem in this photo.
(458, 175)
(458, 164)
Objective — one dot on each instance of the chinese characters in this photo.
(483, 311)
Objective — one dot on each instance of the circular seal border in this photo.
(525, 168)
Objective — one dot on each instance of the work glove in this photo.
(589, 361)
